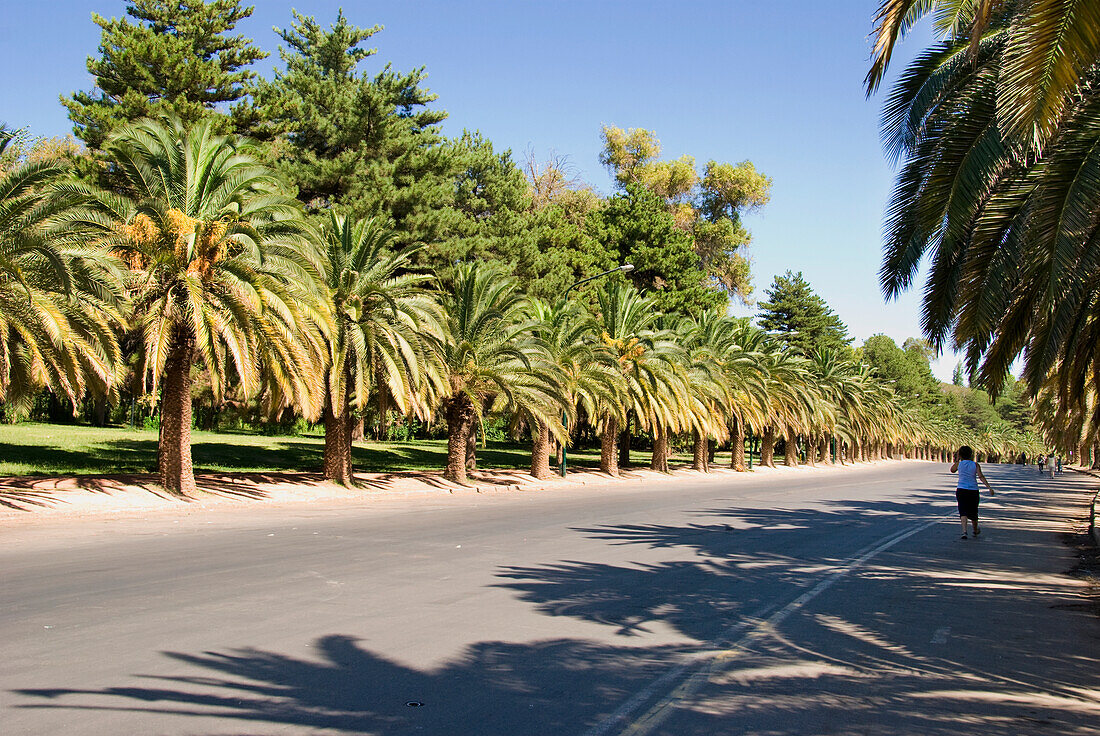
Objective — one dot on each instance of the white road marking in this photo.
(724, 648)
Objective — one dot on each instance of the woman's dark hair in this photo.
(965, 453)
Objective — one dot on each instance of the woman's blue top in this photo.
(968, 475)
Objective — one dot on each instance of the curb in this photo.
(1094, 533)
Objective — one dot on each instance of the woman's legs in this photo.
(963, 520)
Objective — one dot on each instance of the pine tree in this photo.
(636, 227)
(801, 318)
(367, 143)
(174, 57)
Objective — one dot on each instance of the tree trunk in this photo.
(811, 452)
(790, 450)
(177, 475)
(471, 447)
(609, 458)
(460, 423)
(540, 451)
(659, 459)
(359, 430)
(624, 446)
(823, 455)
(767, 448)
(700, 450)
(338, 431)
(737, 455)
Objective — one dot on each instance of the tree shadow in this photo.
(549, 687)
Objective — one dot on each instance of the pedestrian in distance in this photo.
(1050, 463)
(966, 491)
(1059, 465)
(1042, 462)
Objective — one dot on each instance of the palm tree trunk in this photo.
(471, 448)
(540, 451)
(767, 448)
(737, 456)
(790, 450)
(659, 459)
(624, 444)
(460, 423)
(811, 452)
(823, 455)
(177, 475)
(609, 458)
(700, 452)
(338, 434)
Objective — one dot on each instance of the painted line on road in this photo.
(699, 669)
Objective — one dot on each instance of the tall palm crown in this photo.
(59, 298)
(381, 314)
(491, 358)
(221, 272)
(1051, 49)
(1010, 223)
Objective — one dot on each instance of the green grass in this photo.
(56, 449)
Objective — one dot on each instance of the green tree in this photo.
(957, 376)
(174, 57)
(635, 227)
(800, 318)
(709, 206)
(369, 144)
(221, 274)
(906, 370)
(654, 390)
(381, 314)
(60, 299)
(492, 360)
(587, 370)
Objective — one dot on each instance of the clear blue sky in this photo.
(778, 83)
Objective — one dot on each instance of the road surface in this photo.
(835, 602)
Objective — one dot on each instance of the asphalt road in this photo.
(830, 603)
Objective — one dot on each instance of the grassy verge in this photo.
(53, 449)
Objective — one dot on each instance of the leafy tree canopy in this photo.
(367, 143)
(801, 318)
(635, 227)
(170, 57)
(708, 206)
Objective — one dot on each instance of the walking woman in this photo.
(967, 491)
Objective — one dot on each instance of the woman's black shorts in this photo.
(968, 502)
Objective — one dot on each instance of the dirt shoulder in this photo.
(31, 500)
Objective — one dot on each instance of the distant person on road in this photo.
(1050, 462)
(1059, 465)
(966, 492)
(1042, 462)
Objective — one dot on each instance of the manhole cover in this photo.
(414, 704)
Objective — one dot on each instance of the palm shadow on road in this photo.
(839, 666)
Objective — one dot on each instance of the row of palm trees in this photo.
(195, 257)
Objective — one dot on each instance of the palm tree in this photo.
(491, 358)
(221, 274)
(59, 298)
(381, 313)
(653, 389)
(588, 371)
(1050, 51)
(746, 369)
(1011, 222)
